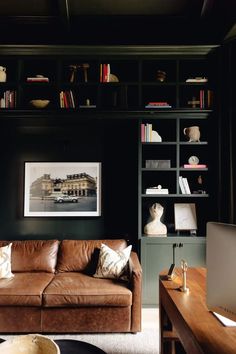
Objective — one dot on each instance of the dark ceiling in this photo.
(141, 22)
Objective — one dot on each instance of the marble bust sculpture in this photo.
(155, 227)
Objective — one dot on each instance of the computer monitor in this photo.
(221, 269)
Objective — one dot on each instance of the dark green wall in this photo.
(112, 142)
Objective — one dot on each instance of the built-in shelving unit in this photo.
(79, 92)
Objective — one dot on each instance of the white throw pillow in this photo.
(5, 262)
(112, 264)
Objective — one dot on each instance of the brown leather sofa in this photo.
(53, 290)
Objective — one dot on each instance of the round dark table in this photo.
(72, 346)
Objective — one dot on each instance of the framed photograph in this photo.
(185, 216)
(62, 189)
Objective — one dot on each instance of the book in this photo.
(186, 185)
(37, 79)
(157, 191)
(195, 166)
(181, 184)
(157, 107)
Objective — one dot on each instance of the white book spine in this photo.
(181, 184)
(186, 185)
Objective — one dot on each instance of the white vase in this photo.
(3, 74)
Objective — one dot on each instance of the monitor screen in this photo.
(221, 269)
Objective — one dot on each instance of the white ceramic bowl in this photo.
(29, 344)
(39, 103)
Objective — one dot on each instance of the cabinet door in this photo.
(157, 255)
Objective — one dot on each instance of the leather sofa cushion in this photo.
(25, 289)
(33, 255)
(77, 289)
(82, 255)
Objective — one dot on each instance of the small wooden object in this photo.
(194, 102)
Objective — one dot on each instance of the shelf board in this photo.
(159, 143)
(175, 195)
(144, 169)
(190, 143)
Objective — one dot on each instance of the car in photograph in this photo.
(66, 199)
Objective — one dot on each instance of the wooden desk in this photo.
(185, 317)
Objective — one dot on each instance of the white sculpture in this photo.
(155, 227)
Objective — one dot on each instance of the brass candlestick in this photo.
(184, 267)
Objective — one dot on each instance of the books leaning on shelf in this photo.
(158, 105)
(105, 70)
(67, 99)
(148, 135)
(200, 165)
(8, 99)
(184, 186)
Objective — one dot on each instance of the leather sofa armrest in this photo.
(136, 288)
(135, 266)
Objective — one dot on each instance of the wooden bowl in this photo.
(39, 103)
(29, 344)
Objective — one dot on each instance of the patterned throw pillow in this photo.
(5, 262)
(112, 264)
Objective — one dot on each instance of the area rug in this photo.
(145, 342)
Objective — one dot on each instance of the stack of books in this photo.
(158, 105)
(67, 99)
(37, 78)
(197, 79)
(8, 100)
(200, 165)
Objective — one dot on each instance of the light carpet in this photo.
(145, 342)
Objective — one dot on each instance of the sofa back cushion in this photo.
(33, 255)
(82, 255)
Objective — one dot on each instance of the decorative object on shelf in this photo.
(155, 227)
(157, 163)
(184, 267)
(29, 344)
(37, 78)
(194, 102)
(193, 133)
(3, 74)
(185, 216)
(75, 67)
(156, 138)
(197, 79)
(113, 78)
(38, 103)
(87, 104)
(199, 186)
(157, 190)
(161, 75)
(193, 160)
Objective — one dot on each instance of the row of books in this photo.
(8, 99)
(184, 186)
(105, 70)
(146, 132)
(206, 99)
(67, 99)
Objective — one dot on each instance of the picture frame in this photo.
(62, 189)
(185, 216)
